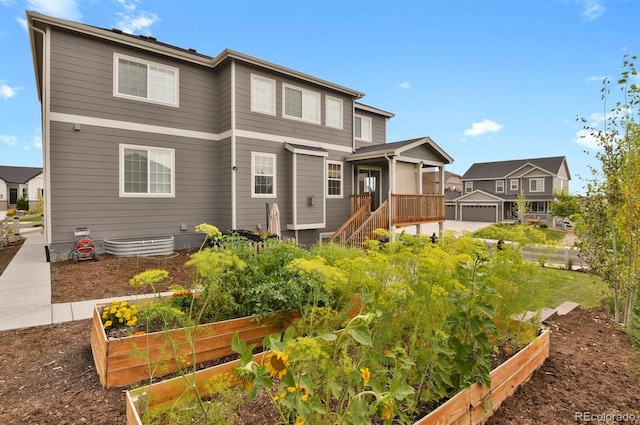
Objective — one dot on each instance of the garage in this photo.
(485, 213)
(450, 212)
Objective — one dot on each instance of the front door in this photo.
(370, 181)
(13, 195)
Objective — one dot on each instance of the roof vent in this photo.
(193, 50)
(117, 30)
(152, 38)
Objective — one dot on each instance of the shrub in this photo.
(11, 212)
(22, 204)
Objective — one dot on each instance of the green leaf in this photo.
(328, 337)
(237, 344)
(361, 335)
(336, 388)
(400, 390)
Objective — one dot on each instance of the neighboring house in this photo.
(490, 189)
(20, 182)
(431, 181)
(143, 139)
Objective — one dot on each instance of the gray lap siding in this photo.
(84, 186)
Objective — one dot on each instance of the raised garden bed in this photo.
(123, 361)
(473, 405)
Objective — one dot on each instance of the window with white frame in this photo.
(499, 186)
(538, 206)
(145, 80)
(147, 171)
(536, 185)
(301, 104)
(263, 94)
(333, 113)
(25, 193)
(362, 126)
(513, 184)
(334, 179)
(468, 187)
(263, 175)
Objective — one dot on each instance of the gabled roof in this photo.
(151, 44)
(18, 174)
(362, 107)
(396, 149)
(501, 169)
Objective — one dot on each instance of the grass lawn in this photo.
(522, 233)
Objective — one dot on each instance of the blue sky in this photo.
(487, 80)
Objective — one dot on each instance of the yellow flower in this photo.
(366, 375)
(305, 397)
(107, 324)
(387, 409)
(123, 304)
(277, 364)
(299, 421)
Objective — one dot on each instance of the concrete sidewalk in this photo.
(25, 290)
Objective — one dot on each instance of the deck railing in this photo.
(412, 209)
(355, 221)
(357, 201)
(379, 219)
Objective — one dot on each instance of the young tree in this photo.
(610, 231)
(522, 206)
(564, 205)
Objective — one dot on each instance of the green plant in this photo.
(11, 212)
(119, 315)
(22, 204)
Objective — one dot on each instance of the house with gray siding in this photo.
(144, 139)
(490, 189)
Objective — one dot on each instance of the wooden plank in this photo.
(456, 409)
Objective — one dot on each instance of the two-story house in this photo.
(490, 189)
(144, 139)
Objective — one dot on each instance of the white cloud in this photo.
(483, 127)
(7, 2)
(405, 85)
(23, 23)
(596, 79)
(65, 9)
(133, 21)
(592, 9)
(8, 140)
(586, 139)
(37, 139)
(6, 92)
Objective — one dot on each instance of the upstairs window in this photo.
(513, 184)
(301, 104)
(499, 186)
(468, 187)
(536, 185)
(334, 179)
(362, 128)
(263, 95)
(146, 171)
(263, 175)
(333, 113)
(144, 80)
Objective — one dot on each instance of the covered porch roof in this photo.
(420, 150)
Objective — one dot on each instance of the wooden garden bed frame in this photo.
(473, 405)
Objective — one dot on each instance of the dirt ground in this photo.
(47, 374)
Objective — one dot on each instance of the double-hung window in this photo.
(263, 175)
(499, 186)
(513, 184)
(362, 127)
(263, 95)
(147, 171)
(468, 187)
(333, 112)
(301, 104)
(334, 179)
(536, 185)
(144, 80)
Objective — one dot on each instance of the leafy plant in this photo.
(22, 204)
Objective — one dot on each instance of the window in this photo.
(135, 78)
(263, 95)
(333, 113)
(468, 187)
(25, 193)
(538, 206)
(334, 179)
(263, 175)
(363, 128)
(146, 171)
(513, 184)
(536, 185)
(499, 186)
(301, 104)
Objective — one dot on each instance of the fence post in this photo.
(16, 225)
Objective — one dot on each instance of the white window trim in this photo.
(498, 190)
(124, 194)
(468, 187)
(116, 59)
(341, 164)
(326, 112)
(538, 189)
(513, 186)
(304, 92)
(275, 176)
(255, 77)
(362, 118)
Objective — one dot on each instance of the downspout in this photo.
(234, 164)
(45, 106)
